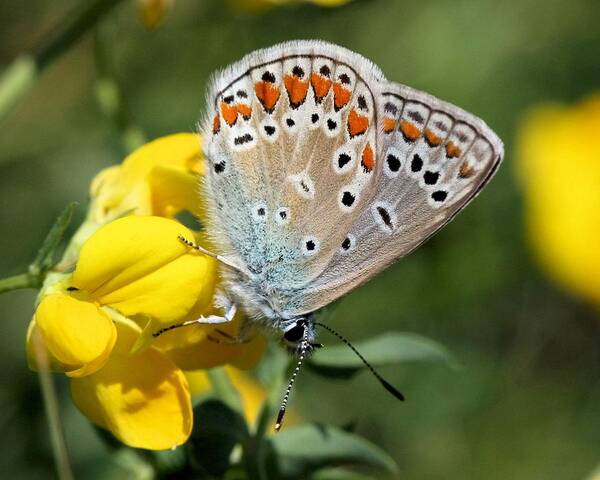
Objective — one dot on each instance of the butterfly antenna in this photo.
(286, 397)
(388, 386)
(219, 258)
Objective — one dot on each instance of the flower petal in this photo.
(142, 399)
(78, 335)
(173, 190)
(213, 348)
(178, 150)
(138, 266)
(126, 189)
(252, 393)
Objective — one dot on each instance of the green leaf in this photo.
(339, 474)
(217, 430)
(45, 256)
(308, 448)
(387, 349)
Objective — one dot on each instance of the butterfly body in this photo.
(321, 173)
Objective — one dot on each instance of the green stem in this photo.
(20, 76)
(18, 282)
(57, 435)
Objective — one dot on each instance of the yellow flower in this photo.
(131, 276)
(143, 399)
(559, 169)
(159, 178)
(153, 12)
(78, 335)
(138, 266)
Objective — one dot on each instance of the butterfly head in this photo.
(299, 335)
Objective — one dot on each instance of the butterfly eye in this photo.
(294, 333)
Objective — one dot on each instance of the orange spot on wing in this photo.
(389, 124)
(410, 132)
(321, 86)
(432, 139)
(341, 95)
(229, 113)
(452, 151)
(268, 94)
(296, 89)
(357, 124)
(368, 159)
(216, 124)
(244, 110)
(466, 170)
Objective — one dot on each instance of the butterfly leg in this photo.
(244, 336)
(202, 320)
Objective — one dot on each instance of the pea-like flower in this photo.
(131, 277)
(559, 168)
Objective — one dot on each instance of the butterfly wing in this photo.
(436, 158)
(290, 141)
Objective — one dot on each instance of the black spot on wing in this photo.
(243, 139)
(417, 163)
(439, 195)
(393, 162)
(348, 199)
(325, 71)
(431, 178)
(268, 77)
(385, 217)
(343, 160)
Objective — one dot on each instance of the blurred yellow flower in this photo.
(131, 277)
(153, 12)
(559, 169)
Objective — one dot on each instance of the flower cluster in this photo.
(128, 276)
(559, 168)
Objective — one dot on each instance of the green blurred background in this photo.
(526, 402)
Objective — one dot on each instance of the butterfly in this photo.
(320, 173)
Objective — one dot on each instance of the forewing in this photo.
(436, 158)
(291, 142)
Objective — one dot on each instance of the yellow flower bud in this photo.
(77, 335)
